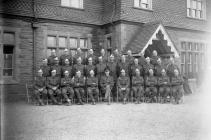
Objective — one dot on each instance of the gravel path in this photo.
(103, 122)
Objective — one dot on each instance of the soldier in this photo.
(154, 58)
(45, 68)
(51, 58)
(151, 83)
(112, 65)
(40, 88)
(147, 67)
(89, 67)
(142, 60)
(79, 67)
(100, 68)
(67, 67)
(138, 86)
(117, 56)
(129, 58)
(104, 56)
(67, 87)
(164, 86)
(123, 84)
(171, 67)
(79, 84)
(65, 56)
(53, 84)
(57, 67)
(176, 82)
(77, 55)
(106, 84)
(122, 65)
(135, 66)
(158, 68)
(92, 84)
(91, 55)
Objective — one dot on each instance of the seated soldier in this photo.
(67, 87)
(40, 88)
(106, 84)
(151, 89)
(138, 86)
(67, 67)
(123, 84)
(53, 84)
(79, 84)
(92, 84)
(164, 86)
(176, 82)
(57, 67)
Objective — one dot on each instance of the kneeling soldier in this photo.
(176, 82)
(151, 83)
(164, 83)
(40, 89)
(138, 86)
(66, 84)
(79, 83)
(92, 83)
(53, 83)
(106, 84)
(123, 86)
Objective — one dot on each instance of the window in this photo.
(62, 45)
(51, 44)
(145, 4)
(196, 8)
(73, 45)
(72, 3)
(83, 46)
(192, 58)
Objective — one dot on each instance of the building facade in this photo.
(30, 29)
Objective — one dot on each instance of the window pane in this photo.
(188, 4)
(199, 5)
(49, 51)
(193, 13)
(75, 3)
(65, 2)
(7, 72)
(194, 4)
(73, 52)
(136, 3)
(61, 51)
(8, 60)
(83, 43)
(144, 1)
(51, 42)
(189, 12)
(144, 5)
(73, 42)
(9, 38)
(62, 42)
(183, 57)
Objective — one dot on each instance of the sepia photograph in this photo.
(105, 69)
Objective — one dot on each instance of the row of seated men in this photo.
(67, 87)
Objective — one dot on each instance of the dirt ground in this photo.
(186, 121)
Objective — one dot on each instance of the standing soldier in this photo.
(147, 67)
(117, 56)
(106, 84)
(79, 67)
(92, 84)
(57, 67)
(164, 86)
(65, 56)
(45, 68)
(141, 59)
(135, 66)
(129, 58)
(100, 69)
(154, 58)
(171, 67)
(176, 82)
(122, 65)
(67, 87)
(40, 88)
(79, 85)
(53, 84)
(151, 89)
(104, 55)
(77, 55)
(67, 67)
(91, 55)
(138, 86)
(123, 84)
(89, 67)
(51, 58)
(158, 68)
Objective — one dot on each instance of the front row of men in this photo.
(149, 88)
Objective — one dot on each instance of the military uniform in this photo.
(164, 86)
(92, 87)
(151, 89)
(177, 82)
(52, 82)
(106, 84)
(51, 60)
(113, 69)
(46, 70)
(100, 70)
(88, 68)
(147, 67)
(153, 60)
(76, 58)
(117, 58)
(64, 57)
(170, 69)
(138, 87)
(158, 69)
(130, 60)
(121, 66)
(123, 84)
(94, 60)
(79, 67)
(133, 70)
(141, 61)
(40, 89)
(58, 70)
(79, 84)
(67, 88)
(67, 68)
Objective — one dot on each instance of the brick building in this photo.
(30, 29)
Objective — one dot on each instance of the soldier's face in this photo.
(53, 73)
(137, 72)
(176, 72)
(78, 74)
(56, 62)
(92, 73)
(67, 62)
(66, 52)
(123, 73)
(79, 61)
(91, 52)
(148, 60)
(163, 72)
(151, 72)
(40, 73)
(159, 61)
(90, 61)
(136, 61)
(112, 58)
(107, 73)
(123, 58)
(53, 53)
(103, 51)
(155, 53)
(129, 53)
(66, 74)
(44, 62)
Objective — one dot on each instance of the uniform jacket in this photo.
(100, 68)
(79, 67)
(107, 80)
(53, 81)
(63, 57)
(113, 68)
(170, 69)
(67, 68)
(121, 66)
(88, 68)
(123, 82)
(151, 81)
(40, 82)
(133, 69)
(176, 81)
(92, 81)
(162, 80)
(153, 60)
(58, 69)
(66, 81)
(51, 60)
(46, 70)
(79, 81)
(147, 67)
(137, 81)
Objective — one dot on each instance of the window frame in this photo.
(190, 9)
(81, 3)
(140, 5)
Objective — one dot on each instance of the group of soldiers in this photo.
(67, 78)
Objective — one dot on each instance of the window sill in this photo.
(74, 8)
(139, 8)
(202, 19)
